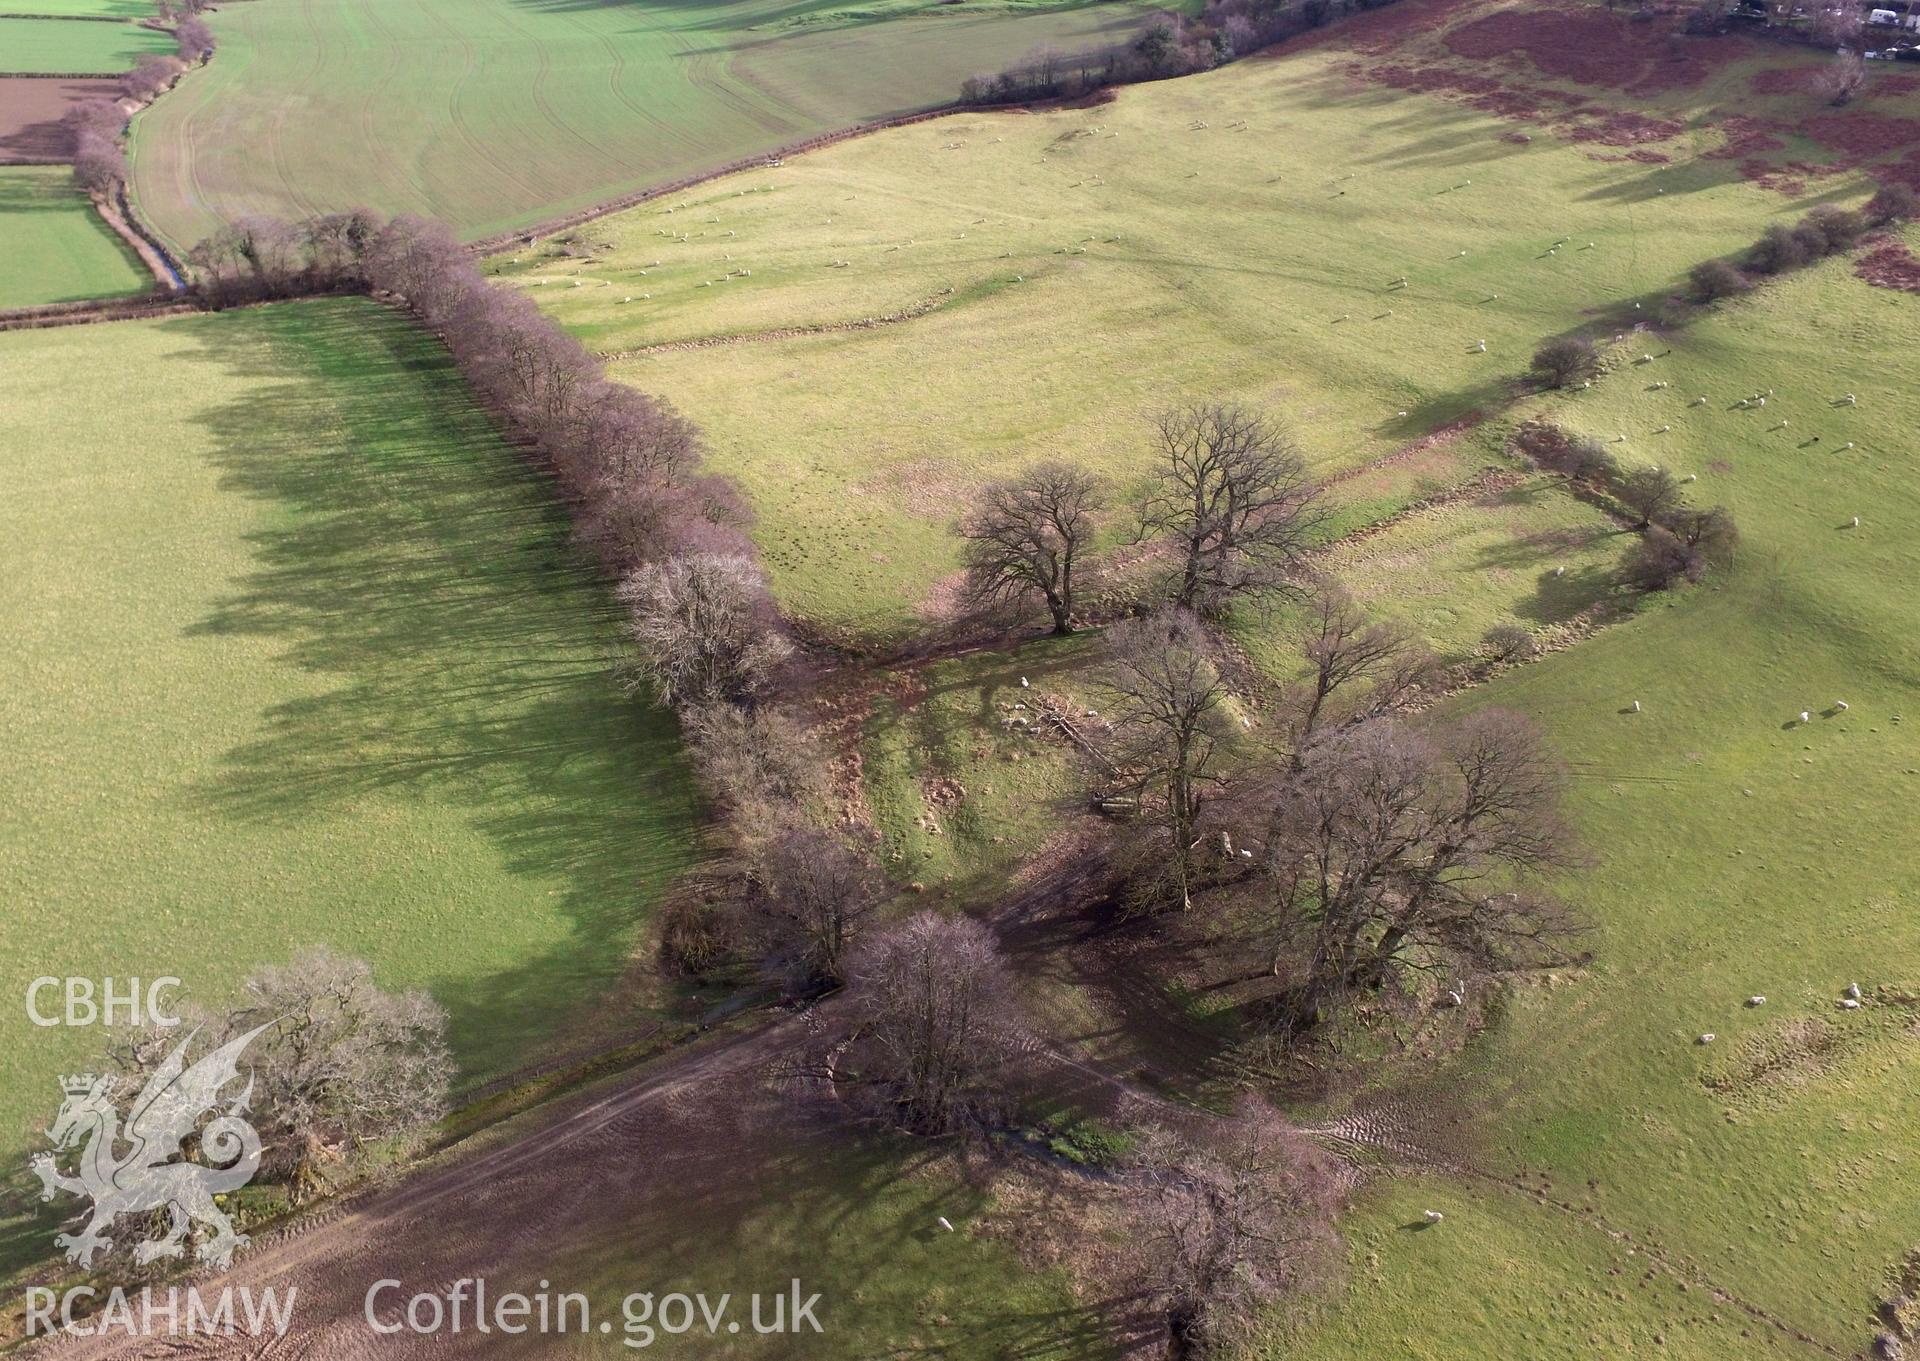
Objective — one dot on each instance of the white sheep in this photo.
(1560, 571)
(1853, 991)
(1636, 706)
(1757, 1000)
(1856, 522)
(1805, 717)
(1841, 705)
(1024, 685)
(1708, 1038)
(1850, 1004)
(946, 1224)
(1435, 1217)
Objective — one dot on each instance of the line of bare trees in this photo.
(1678, 542)
(99, 126)
(1167, 45)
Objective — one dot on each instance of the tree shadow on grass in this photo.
(453, 646)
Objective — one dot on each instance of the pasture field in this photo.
(493, 114)
(74, 47)
(1053, 279)
(81, 9)
(58, 249)
(1740, 853)
(300, 653)
(1628, 1188)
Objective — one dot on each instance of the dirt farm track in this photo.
(594, 1173)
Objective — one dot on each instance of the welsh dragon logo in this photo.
(154, 1173)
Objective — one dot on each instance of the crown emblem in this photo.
(78, 1085)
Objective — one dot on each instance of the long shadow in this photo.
(454, 647)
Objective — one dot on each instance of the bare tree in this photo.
(1650, 493)
(814, 892)
(705, 628)
(1025, 535)
(195, 39)
(149, 76)
(1223, 1233)
(1231, 494)
(1842, 80)
(935, 996)
(1344, 649)
(1396, 849)
(761, 763)
(342, 1063)
(1171, 720)
(347, 1063)
(99, 165)
(1566, 361)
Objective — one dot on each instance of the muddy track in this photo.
(579, 1171)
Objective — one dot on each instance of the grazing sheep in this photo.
(1853, 991)
(1636, 706)
(1805, 717)
(1023, 683)
(1841, 705)
(1708, 1038)
(1757, 1000)
(1560, 571)
(1455, 998)
(1435, 1217)
(946, 1224)
(1850, 1004)
(1856, 522)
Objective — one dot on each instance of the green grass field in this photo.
(1737, 851)
(58, 249)
(299, 653)
(493, 114)
(1740, 853)
(97, 9)
(75, 47)
(1252, 261)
